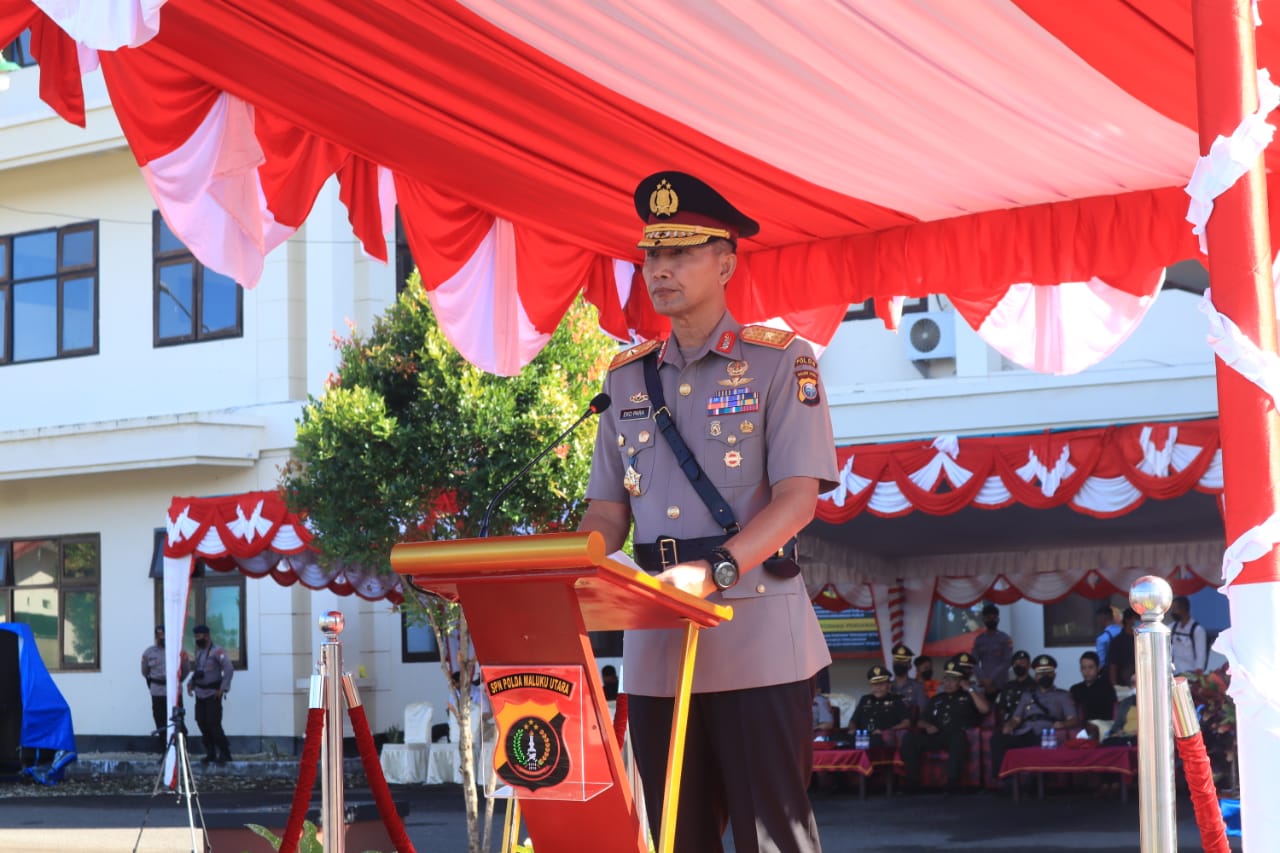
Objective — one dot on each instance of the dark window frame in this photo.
(161, 259)
(62, 273)
(405, 263)
(9, 586)
(202, 577)
(866, 309)
(1071, 608)
(407, 656)
(19, 50)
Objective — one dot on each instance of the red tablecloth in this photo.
(843, 760)
(1103, 759)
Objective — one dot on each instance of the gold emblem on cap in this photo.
(737, 371)
(673, 512)
(685, 389)
(644, 436)
(631, 481)
(663, 201)
(732, 459)
(746, 427)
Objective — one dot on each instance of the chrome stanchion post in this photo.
(1151, 596)
(333, 807)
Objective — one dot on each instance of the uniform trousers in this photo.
(209, 719)
(1002, 743)
(915, 744)
(159, 713)
(747, 760)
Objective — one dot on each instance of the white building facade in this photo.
(108, 410)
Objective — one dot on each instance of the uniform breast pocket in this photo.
(638, 451)
(734, 451)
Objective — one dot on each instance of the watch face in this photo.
(725, 574)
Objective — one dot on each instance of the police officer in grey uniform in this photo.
(211, 673)
(1044, 707)
(749, 404)
(911, 691)
(153, 670)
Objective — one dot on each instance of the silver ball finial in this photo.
(332, 623)
(1150, 596)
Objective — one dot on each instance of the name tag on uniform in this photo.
(634, 414)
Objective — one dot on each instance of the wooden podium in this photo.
(529, 603)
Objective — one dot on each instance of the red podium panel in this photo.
(529, 602)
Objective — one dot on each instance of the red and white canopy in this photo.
(256, 533)
(988, 150)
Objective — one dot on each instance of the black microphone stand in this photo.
(598, 404)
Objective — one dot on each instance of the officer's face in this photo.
(681, 279)
(880, 689)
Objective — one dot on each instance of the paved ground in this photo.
(37, 820)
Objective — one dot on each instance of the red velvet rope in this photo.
(1204, 796)
(377, 782)
(306, 781)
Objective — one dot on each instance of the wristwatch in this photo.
(724, 568)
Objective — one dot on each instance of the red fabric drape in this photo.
(377, 782)
(1204, 794)
(307, 767)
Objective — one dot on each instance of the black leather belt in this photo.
(667, 551)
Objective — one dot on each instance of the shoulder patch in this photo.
(638, 351)
(767, 336)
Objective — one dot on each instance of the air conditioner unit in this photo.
(929, 335)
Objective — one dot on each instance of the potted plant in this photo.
(1217, 714)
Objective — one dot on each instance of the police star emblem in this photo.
(631, 481)
(663, 201)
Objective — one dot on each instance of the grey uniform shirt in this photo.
(753, 414)
(1040, 709)
(153, 669)
(216, 666)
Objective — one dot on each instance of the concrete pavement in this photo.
(1061, 822)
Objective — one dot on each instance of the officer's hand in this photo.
(191, 689)
(221, 692)
(693, 578)
(930, 728)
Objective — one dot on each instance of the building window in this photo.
(52, 585)
(191, 302)
(1072, 621)
(417, 641)
(19, 51)
(215, 599)
(866, 309)
(49, 294)
(404, 258)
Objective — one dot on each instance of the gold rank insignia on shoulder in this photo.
(767, 336)
(639, 351)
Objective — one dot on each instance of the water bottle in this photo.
(1053, 739)
(864, 739)
(1044, 738)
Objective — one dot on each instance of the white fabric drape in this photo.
(177, 584)
(105, 24)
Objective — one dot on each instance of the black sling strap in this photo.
(715, 502)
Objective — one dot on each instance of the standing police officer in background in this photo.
(748, 404)
(153, 670)
(211, 673)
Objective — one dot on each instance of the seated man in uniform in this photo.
(904, 686)
(958, 707)
(966, 662)
(1010, 695)
(1043, 708)
(879, 711)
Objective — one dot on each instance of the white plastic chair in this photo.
(407, 763)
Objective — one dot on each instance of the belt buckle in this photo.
(664, 544)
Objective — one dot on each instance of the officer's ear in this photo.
(728, 258)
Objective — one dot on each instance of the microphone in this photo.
(599, 404)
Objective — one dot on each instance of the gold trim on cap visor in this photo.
(667, 234)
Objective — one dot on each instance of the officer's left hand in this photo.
(693, 578)
(221, 692)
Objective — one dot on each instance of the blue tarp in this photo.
(46, 717)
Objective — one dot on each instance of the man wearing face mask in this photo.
(1010, 696)
(211, 673)
(904, 686)
(992, 649)
(924, 675)
(1045, 707)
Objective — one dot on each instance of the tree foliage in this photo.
(409, 441)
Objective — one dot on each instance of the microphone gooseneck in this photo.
(599, 404)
